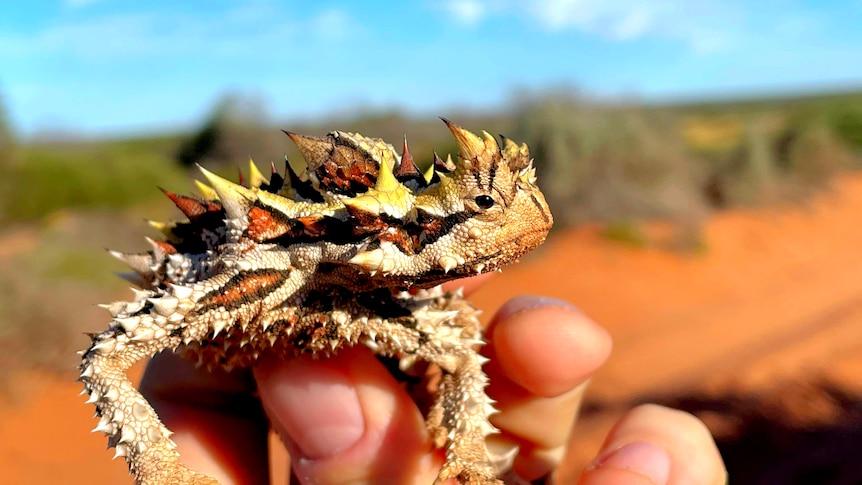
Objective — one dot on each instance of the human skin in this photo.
(345, 419)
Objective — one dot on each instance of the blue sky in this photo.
(117, 66)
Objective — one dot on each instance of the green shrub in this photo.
(50, 178)
(235, 130)
(609, 163)
(7, 140)
(847, 126)
(625, 232)
(749, 173)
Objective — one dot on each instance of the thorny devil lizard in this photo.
(352, 252)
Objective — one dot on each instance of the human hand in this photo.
(346, 419)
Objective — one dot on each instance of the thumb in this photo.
(344, 419)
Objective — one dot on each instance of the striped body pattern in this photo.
(351, 252)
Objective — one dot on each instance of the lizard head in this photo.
(476, 216)
(485, 213)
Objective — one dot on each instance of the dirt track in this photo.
(776, 295)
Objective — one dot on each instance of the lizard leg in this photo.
(462, 408)
(162, 319)
(140, 329)
(442, 330)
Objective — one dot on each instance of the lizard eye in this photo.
(485, 202)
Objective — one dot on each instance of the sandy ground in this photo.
(775, 297)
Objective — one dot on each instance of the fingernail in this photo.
(527, 302)
(317, 409)
(641, 457)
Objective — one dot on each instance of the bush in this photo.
(609, 163)
(625, 232)
(847, 126)
(236, 129)
(50, 178)
(778, 159)
(750, 172)
(7, 136)
(817, 154)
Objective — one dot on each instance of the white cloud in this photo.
(80, 3)
(468, 12)
(705, 25)
(332, 23)
(241, 31)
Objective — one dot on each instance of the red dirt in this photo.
(776, 295)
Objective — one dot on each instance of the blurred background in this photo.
(701, 159)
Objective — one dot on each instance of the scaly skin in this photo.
(352, 253)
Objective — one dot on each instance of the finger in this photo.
(545, 345)
(346, 420)
(542, 352)
(219, 427)
(654, 445)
